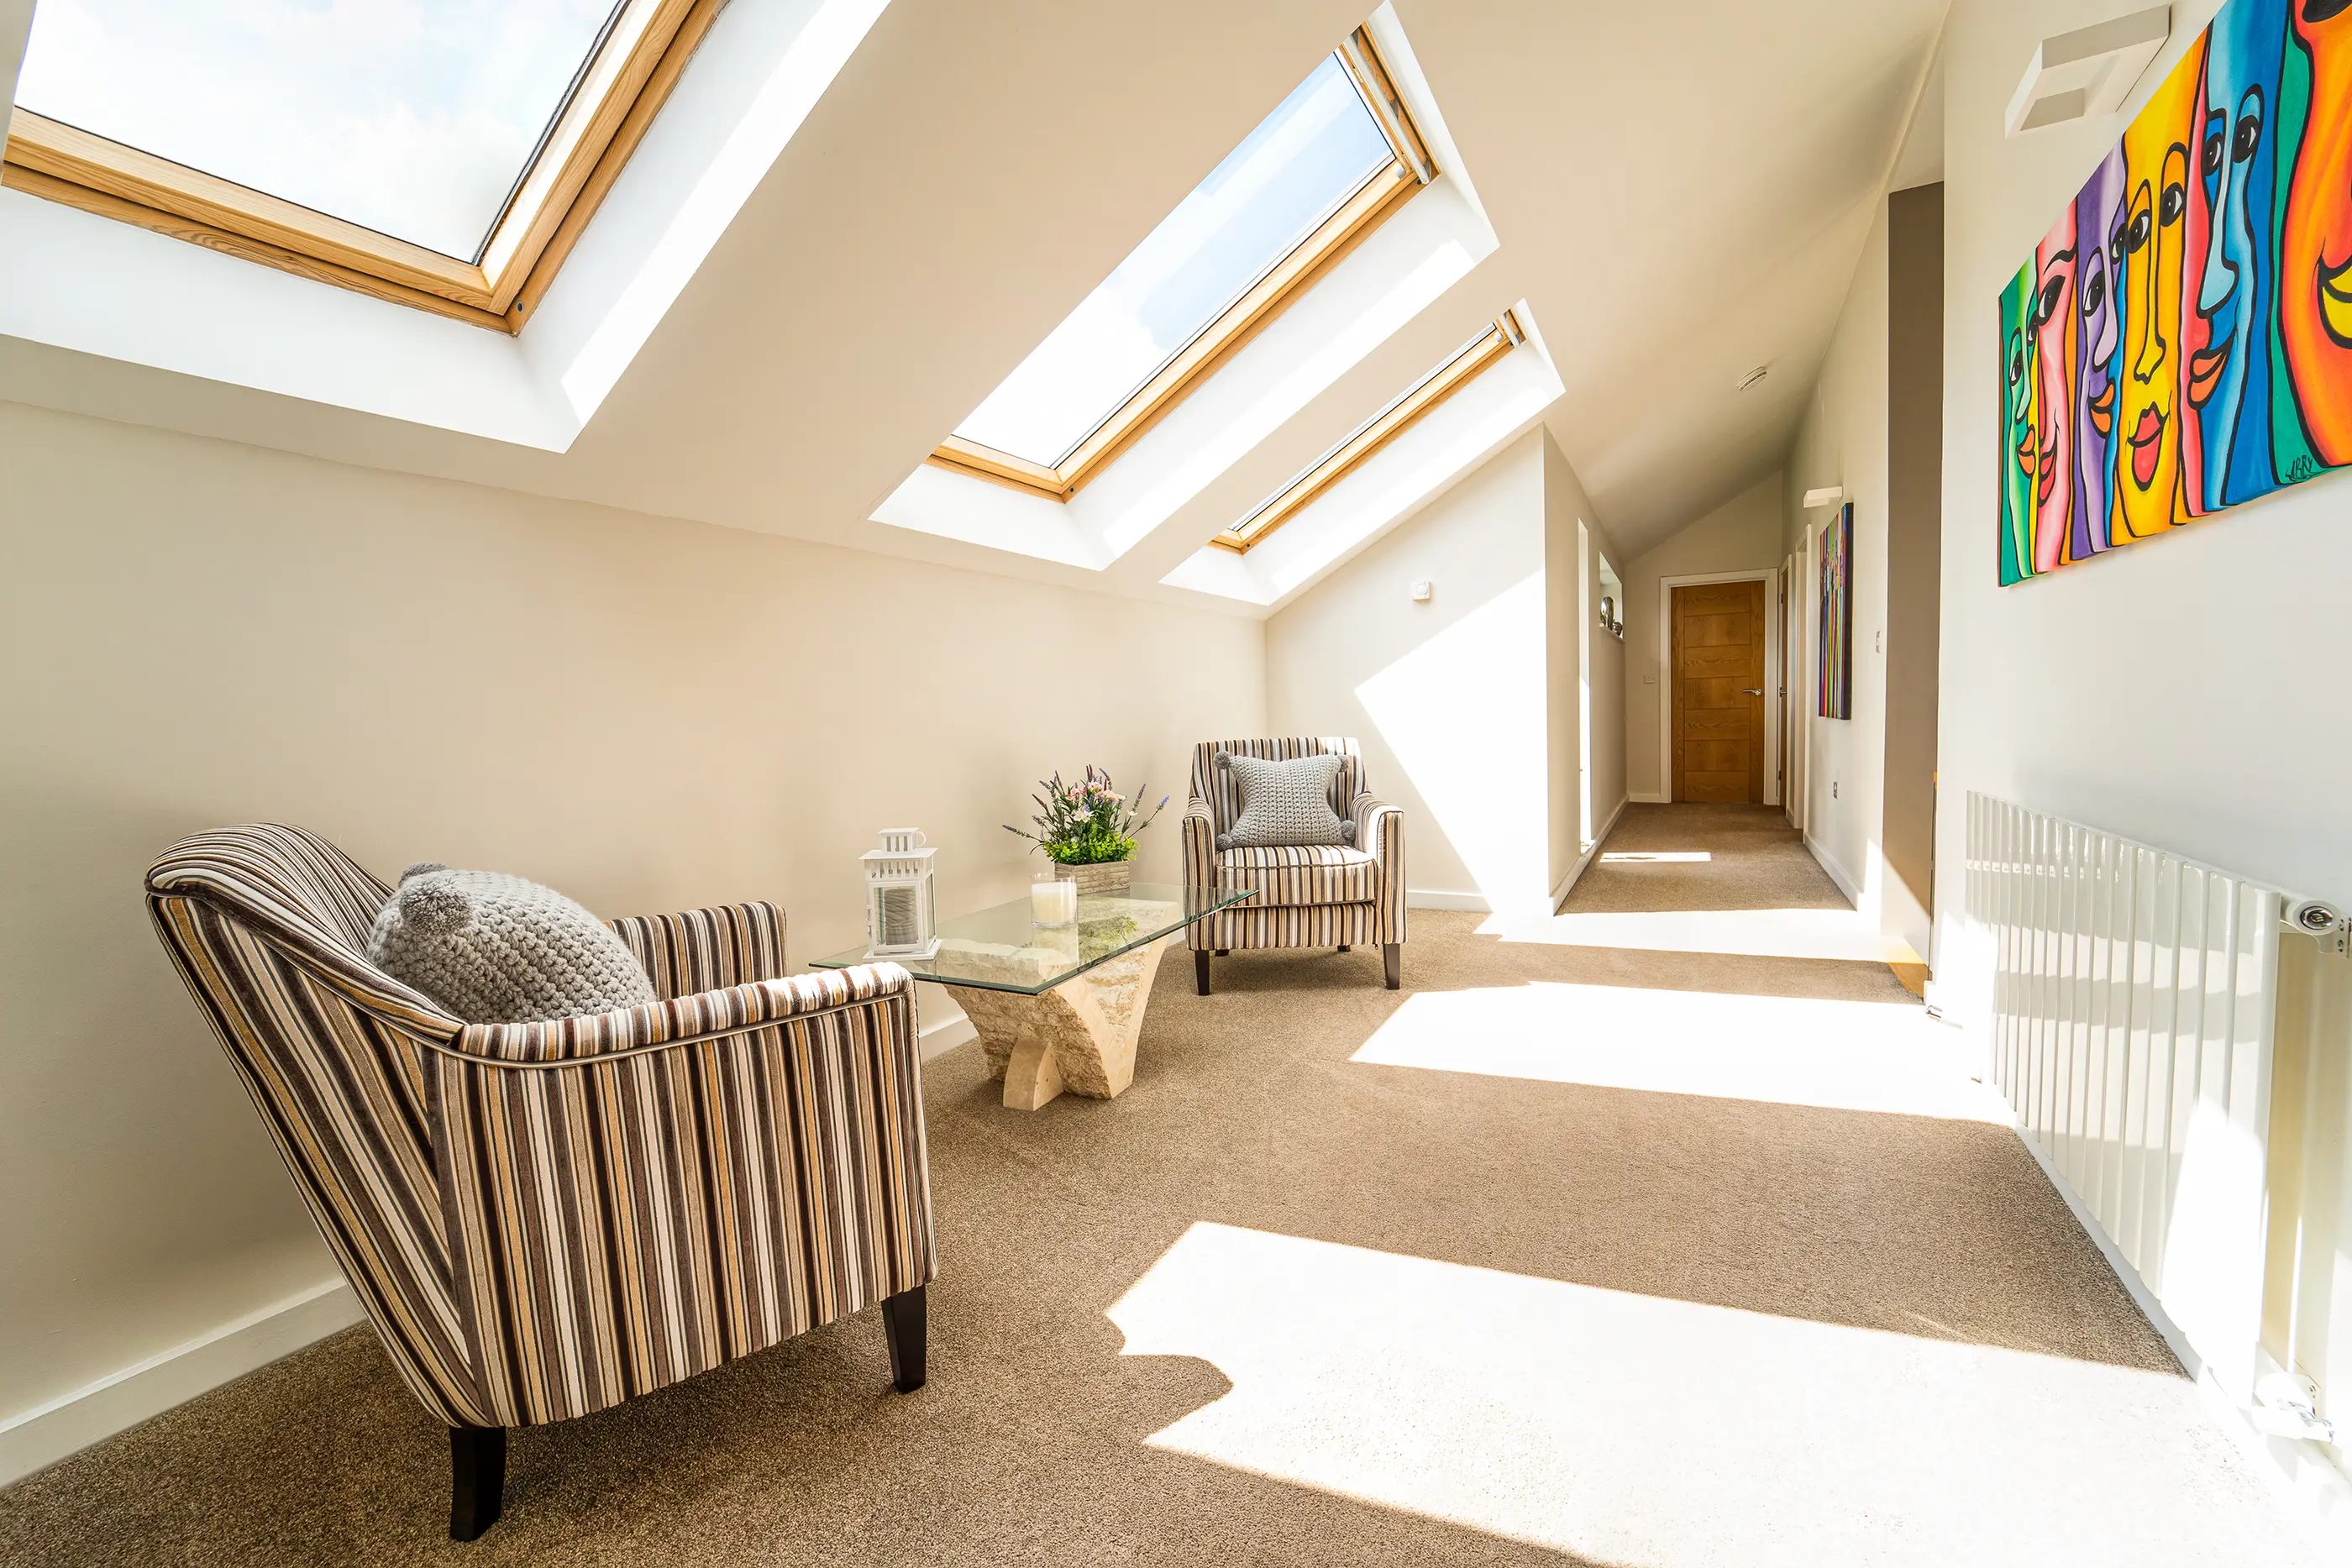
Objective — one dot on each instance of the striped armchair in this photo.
(544, 1220)
(1317, 895)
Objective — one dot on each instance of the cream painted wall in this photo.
(1587, 671)
(1610, 788)
(1915, 531)
(2182, 691)
(1567, 655)
(1464, 705)
(1448, 698)
(1741, 535)
(1844, 439)
(1841, 441)
(2173, 691)
(649, 714)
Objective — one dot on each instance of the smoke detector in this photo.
(1751, 378)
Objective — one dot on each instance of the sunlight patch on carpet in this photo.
(1791, 1051)
(1756, 932)
(1642, 1431)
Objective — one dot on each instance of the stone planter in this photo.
(1107, 877)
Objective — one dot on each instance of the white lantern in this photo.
(902, 917)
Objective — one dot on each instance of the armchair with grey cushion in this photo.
(544, 1220)
(1307, 895)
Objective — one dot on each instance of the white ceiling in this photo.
(1680, 192)
(1683, 190)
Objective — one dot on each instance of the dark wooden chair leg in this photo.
(1392, 957)
(1200, 969)
(902, 1320)
(1224, 952)
(478, 1479)
(1343, 946)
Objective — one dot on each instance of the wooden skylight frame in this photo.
(1410, 167)
(1356, 448)
(623, 86)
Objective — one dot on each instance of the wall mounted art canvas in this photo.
(1836, 684)
(2181, 341)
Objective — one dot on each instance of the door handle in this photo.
(1753, 692)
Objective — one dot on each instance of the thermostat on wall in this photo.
(1420, 591)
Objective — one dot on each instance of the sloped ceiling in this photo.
(1681, 192)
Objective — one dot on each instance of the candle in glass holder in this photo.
(1052, 901)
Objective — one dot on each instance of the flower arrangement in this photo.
(1089, 822)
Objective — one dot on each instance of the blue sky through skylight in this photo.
(1302, 161)
(412, 117)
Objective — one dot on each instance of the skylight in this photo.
(438, 153)
(1274, 190)
(1396, 416)
(1332, 161)
(414, 118)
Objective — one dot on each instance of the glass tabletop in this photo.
(1003, 949)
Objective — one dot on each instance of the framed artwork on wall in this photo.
(1836, 684)
(2182, 339)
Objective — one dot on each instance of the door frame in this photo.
(1793, 695)
(1782, 576)
(1805, 697)
(1768, 575)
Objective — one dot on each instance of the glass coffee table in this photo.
(1058, 1008)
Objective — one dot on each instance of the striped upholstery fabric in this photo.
(544, 1220)
(706, 949)
(1302, 873)
(636, 1216)
(1372, 908)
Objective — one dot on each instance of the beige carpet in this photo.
(1501, 1304)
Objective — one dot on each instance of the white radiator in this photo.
(2132, 1008)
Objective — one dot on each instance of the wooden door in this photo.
(1719, 692)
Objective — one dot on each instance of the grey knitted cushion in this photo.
(1284, 802)
(497, 949)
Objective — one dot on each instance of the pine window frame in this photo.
(1410, 169)
(622, 86)
(1401, 414)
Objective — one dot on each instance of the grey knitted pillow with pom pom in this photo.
(1284, 802)
(497, 949)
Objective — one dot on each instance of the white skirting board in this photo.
(2302, 1470)
(943, 1035)
(1433, 898)
(46, 1434)
(1568, 883)
(1649, 798)
(1478, 904)
(37, 1438)
(1838, 873)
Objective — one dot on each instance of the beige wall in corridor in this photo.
(649, 715)
(1464, 705)
(2167, 692)
(1448, 698)
(1741, 535)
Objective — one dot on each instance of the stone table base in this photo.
(1079, 1036)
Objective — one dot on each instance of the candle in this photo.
(1052, 901)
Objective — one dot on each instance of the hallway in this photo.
(1570, 1252)
(657, 408)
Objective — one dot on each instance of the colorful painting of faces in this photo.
(2181, 341)
(1836, 692)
